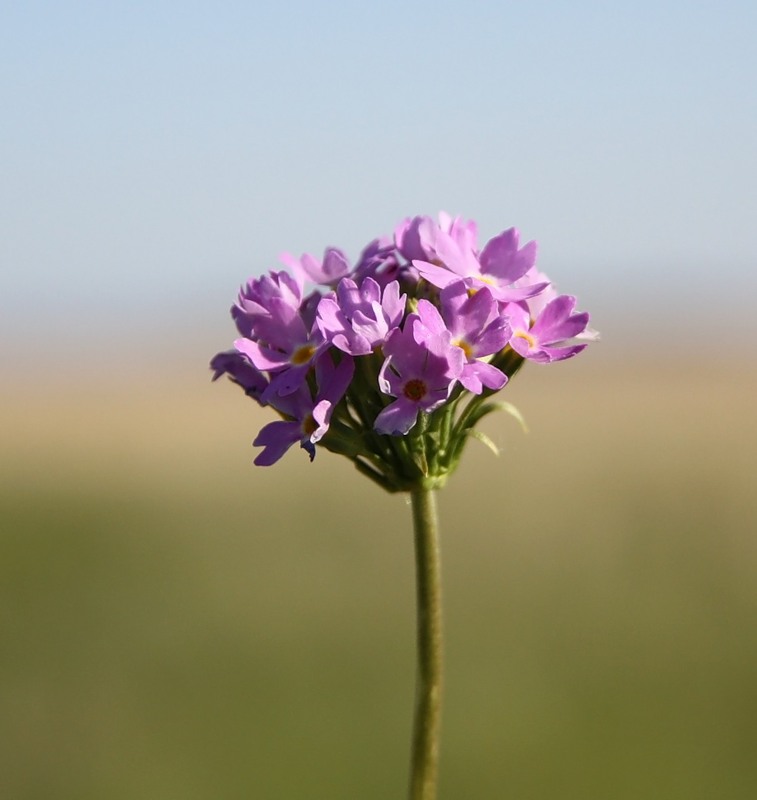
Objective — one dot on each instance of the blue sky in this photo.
(154, 155)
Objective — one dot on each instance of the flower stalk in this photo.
(393, 363)
(428, 692)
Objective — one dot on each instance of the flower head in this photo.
(391, 362)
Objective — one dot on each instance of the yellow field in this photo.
(176, 624)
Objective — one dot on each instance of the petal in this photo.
(494, 337)
(555, 312)
(502, 258)
(262, 357)
(557, 322)
(397, 418)
(330, 318)
(474, 314)
(348, 294)
(335, 264)
(561, 353)
(453, 296)
(322, 416)
(370, 291)
(368, 332)
(436, 276)
(276, 438)
(388, 380)
(490, 376)
(333, 381)
(393, 304)
(514, 294)
(286, 382)
(408, 357)
(430, 317)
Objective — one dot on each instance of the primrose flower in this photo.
(258, 299)
(305, 418)
(379, 261)
(419, 374)
(360, 318)
(282, 343)
(538, 303)
(499, 265)
(334, 266)
(417, 238)
(240, 371)
(548, 338)
(476, 327)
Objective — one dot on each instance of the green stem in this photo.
(425, 753)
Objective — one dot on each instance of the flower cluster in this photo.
(392, 362)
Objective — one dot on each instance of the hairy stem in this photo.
(425, 750)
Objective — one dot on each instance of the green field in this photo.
(176, 624)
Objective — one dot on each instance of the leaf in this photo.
(485, 440)
(510, 409)
(487, 408)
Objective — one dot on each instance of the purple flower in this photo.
(419, 374)
(379, 261)
(416, 237)
(499, 265)
(358, 319)
(240, 371)
(282, 342)
(306, 418)
(476, 327)
(538, 303)
(547, 339)
(327, 272)
(259, 296)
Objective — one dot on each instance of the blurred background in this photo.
(176, 623)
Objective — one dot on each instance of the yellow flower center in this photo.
(302, 355)
(465, 347)
(527, 336)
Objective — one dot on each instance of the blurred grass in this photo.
(175, 623)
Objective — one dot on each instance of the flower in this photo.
(283, 340)
(476, 327)
(334, 266)
(379, 261)
(257, 297)
(547, 339)
(420, 374)
(306, 418)
(240, 371)
(358, 319)
(499, 265)
(417, 238)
